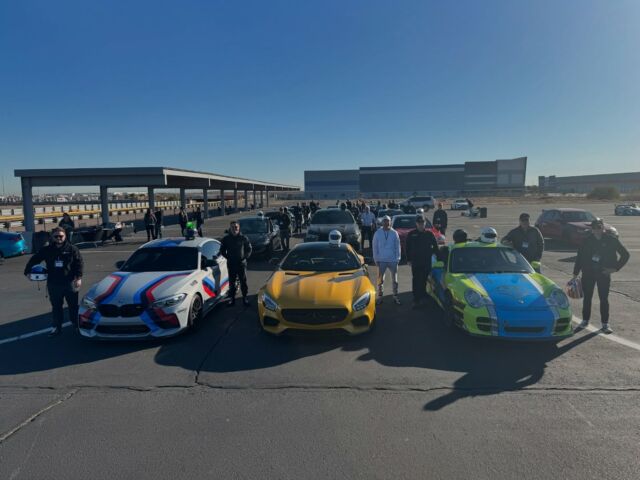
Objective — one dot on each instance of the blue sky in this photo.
(267, 89)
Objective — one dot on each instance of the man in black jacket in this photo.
(64, 265)
(285, 227)
(236, 248)
(597, 259)
(440, 219)
(526, 239)
(420, 245)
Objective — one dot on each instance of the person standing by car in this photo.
(421, 246)
(285, 227)
(599, 256)
(236, 248)
(64, 268)
(440, 219)
(150, 225)
(368, 220)
(199, 219)
(182, 220)
(386, 253)
(526, 238)
(67, 223)
(158, 215)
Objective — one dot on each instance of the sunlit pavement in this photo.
(410, 400)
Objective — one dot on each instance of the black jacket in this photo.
(529, 243)
(69, 255)
(441, 218)
(595, 255)
(236, 249)
(420, 247)
(284, 221)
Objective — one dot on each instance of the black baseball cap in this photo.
(524, 216)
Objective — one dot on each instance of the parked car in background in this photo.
(263, 234)
(425, 202)
(390, 212)
(460, 204)
(325, 220)
(12, 244)
(627, 209)
(569, 225)
(403, 224)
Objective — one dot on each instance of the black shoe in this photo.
(55, 332)
(245, 301)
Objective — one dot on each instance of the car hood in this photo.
(142, 287)
(511, 290)
(585, 225)
(305, 289)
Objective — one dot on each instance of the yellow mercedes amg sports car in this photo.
(318, 286)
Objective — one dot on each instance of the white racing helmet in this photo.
(38, 274)
(420, 211)
(488, 235)
(261, 213)
(335, 237)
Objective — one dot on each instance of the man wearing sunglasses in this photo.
(236, 248)
(526, 239)
(599, 256)
(64, 265)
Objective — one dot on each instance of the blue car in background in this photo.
(12, 244)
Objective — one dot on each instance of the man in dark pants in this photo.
(285, 227)
(236, 248)
(526, 239)
(420, 245)
(158, 215)
(182, 220)
(64, 264)
(198, 217)
(440, 219)
(597, 259)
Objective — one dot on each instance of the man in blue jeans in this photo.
(386, 253)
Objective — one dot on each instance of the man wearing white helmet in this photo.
(386, 253)
(488, 235)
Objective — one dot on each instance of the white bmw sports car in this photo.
(165, 287)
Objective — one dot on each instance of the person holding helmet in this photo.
(421, 246)
(440, 219)
(236, 248)
(64, 276)
(488, 235)
(599, 256)
(386, 253)
(526, 239)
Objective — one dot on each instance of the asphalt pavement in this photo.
(410, 400)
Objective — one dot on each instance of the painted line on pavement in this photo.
(612, 337)
(30, 334)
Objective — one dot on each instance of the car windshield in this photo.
(159, 259)
(321, 259)
(253, 225)
(488, 260)
(408, 222)
(332, 217)
(578, 216)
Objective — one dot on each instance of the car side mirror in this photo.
(120, 264)
(438, 264)
(536, 266)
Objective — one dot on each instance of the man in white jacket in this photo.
(386, 253)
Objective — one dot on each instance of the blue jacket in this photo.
(386, 246)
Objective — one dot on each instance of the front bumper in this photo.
(92, 324)
(354, 323)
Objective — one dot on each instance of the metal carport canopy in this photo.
(157, 177)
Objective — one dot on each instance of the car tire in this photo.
(195, 313)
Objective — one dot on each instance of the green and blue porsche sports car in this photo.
(490, 290)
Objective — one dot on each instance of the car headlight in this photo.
(474, 299)
(268, 302)
(362, 302)
(88, 302)
(171, 301)
(558, 298)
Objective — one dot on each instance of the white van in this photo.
(420, 202)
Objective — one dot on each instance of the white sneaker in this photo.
(396, 299)
(606, 328)
(584, 324)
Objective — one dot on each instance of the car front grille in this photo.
(314, 317)
(524, 329)
(129, 310)
(122, 329)
(561, 325)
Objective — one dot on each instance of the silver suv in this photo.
(426, 201)
(325, 220)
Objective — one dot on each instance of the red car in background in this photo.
(569, 225)
(403, 224)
